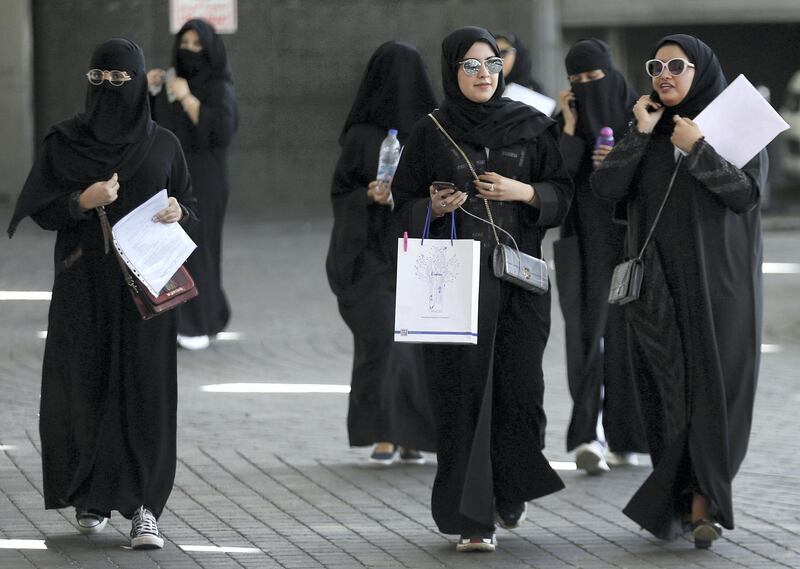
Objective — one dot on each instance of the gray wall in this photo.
(16, 116)
(296, 64)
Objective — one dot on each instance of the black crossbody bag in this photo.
(626, 280)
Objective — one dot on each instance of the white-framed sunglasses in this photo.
(472, 66)
(675, 66)
(116, 78)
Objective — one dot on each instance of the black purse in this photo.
(508, 264)
(626, 280)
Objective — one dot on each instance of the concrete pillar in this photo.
(546, 48)
(16, 97)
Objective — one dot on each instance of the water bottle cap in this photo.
(393, 131)
(606, 131)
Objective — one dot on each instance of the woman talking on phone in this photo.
(695, 331)
(487, 398)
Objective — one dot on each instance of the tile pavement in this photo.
(272, 473)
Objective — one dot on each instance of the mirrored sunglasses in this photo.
(116, 78)
(676, 66)
(472, 66)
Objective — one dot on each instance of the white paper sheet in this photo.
(152, 250)
(530, 97)
(739, 123)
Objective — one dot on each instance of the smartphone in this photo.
(437, 185)
(573, 104)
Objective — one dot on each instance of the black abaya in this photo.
(591, 245)
(695, 334)
(205, 146)
(109, 378)
(388, 398)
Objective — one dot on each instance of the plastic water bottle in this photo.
(606, 137)
(387, 159)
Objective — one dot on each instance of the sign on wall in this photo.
(222, 14)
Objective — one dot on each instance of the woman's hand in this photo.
(446, 200)
(99, 194)
(493, 186)
(685, 134)
(155, 78)
(570, 114)
(647, 113)
(600, 154)
(178, 88)
(172, 213)
(379, 192)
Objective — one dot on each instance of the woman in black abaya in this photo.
(388, 399)
(199, 106)
(109, 378)
(695, 334)
(517, 61)
(591, 245)
(487, 398)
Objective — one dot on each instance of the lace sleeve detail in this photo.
(731, 185)
(613, 178)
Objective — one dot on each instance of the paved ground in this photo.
(272, 473)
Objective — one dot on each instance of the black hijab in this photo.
(496, 123)
(395, 91)
(113, 134)
(709, 80)
(521, 73)
(201, 68)
(603, 102)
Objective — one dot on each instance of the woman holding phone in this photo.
(695, 332)
(487, 398)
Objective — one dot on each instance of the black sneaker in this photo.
(411, 456)
(144, 530)
(510, 515)
(484, 542)
(705, 532)
(383, 458)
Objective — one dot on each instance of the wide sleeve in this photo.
(551, 182)
(350, 212)
(180, 186)
(738, 189)
(572, 149)
(613, 178)
(411, 182)
(218, 118)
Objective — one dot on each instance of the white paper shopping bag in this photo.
(437, 291)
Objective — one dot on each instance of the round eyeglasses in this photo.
(472, 66)
(676, 66)
(116, 78)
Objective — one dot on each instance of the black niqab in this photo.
(201, 68)
(602, 102)
(497, 123)
(395, 91)
(112, 135)
(521, 73)
(709, 80)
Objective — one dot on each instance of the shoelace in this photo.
(144, 522)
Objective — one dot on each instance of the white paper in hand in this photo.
(530, 97)
(739, 123)
(152, 250)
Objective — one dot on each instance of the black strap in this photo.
(660, 209)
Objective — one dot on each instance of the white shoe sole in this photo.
(382, 461)
(193, 342)
(92, 529)
(147, 541)
(482, 546)
(622, 459)
(591, 462)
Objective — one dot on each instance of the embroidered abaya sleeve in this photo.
(737, 189)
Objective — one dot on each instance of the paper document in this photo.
(739, 123)
(152, 250)
(530, 97)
